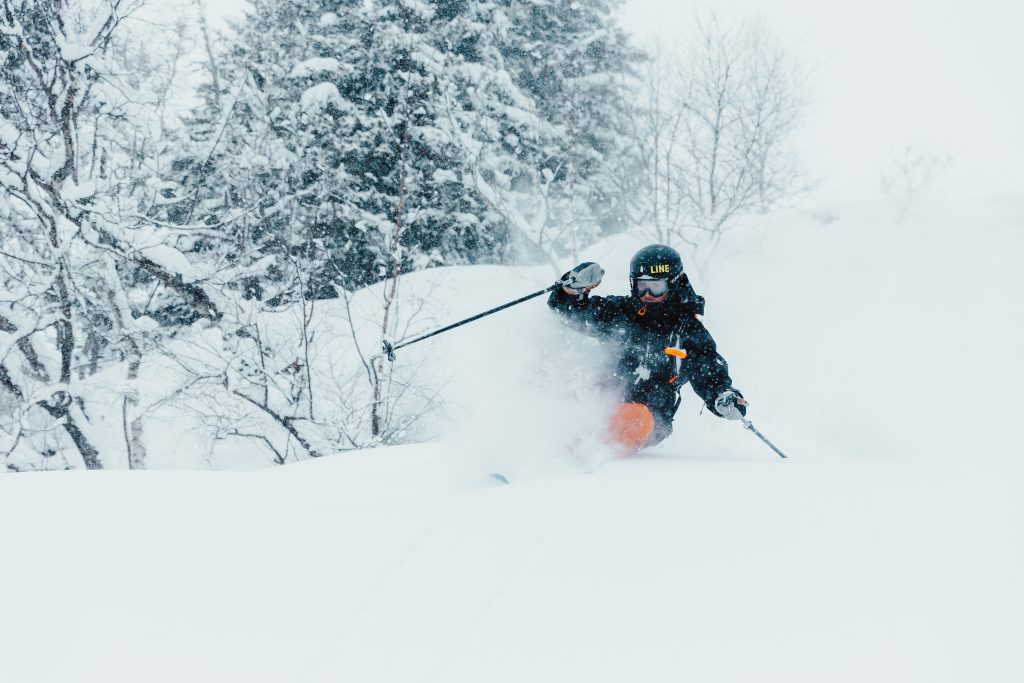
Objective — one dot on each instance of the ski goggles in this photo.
(652, 287)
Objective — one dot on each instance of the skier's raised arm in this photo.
(592, 314)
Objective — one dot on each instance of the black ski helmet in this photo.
(656, 262)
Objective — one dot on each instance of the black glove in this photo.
(730, 404)
(582, 278)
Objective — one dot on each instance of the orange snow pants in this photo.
(630, 428)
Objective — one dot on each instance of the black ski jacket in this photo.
(648, 371)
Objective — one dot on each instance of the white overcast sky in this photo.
(944, 75)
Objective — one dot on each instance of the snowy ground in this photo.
(883, 357)
(384, 567)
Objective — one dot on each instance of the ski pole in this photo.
(749, 425)
(389, 349)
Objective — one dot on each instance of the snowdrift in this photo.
(393, 565)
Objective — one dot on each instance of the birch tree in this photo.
(715, 134)
(75, 231)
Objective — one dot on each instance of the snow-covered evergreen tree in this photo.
(463, 122)
(575, 65)
(337, 132)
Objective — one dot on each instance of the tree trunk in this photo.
(133, 430)
(60, 409)
(381, 373)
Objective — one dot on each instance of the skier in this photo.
(661, 343)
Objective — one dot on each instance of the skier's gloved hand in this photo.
(582, 278)
(730, 404)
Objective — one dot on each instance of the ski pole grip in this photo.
(584, 276)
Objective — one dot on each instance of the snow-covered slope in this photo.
(392, 566)
(882, 358)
